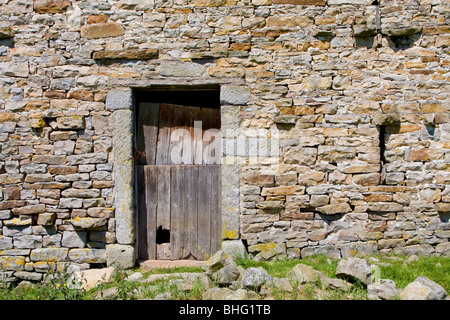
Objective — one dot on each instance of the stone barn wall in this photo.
(357, 91)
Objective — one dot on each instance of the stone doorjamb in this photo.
(121, 102)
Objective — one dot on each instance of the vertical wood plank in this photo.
(191, 174)
(163, 207)
(141, 228)
(147, 133)
(177, 208)
(197, 136)
(151, 196)
(178, 119)
(165, 121)
(204, 212)
(192, 114)
(210, 120)
(216, 208)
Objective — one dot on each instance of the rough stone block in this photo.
(11, 178)
(15, 263)
(368, 179)
(87, 255)
(93, 277)
(301, 2)
(98, 212)
(88, 158)
(51, 6)
(154, 20)
(354, 268)
(6, 33)
(235, 95)
(443, 41)
(117, 99)
(30, 209)
(124, 178)
(120, 255)
(74, 239)
(37, 123)
(6, 243)
(353, 2)
(46, 219)
(93, 82)
(317, 83)
(182, 69)
(301, 155)
(88, 223)
(335, 153)
(70, 122)
(15, 69)
(17, 222)
(302, 274)
(335, 208)
(311, 178)
(384, 207)
(286, 21)
(28, 242)
(70, 203)
(277, 191)
(423, 288)
(358, 249)
(259, 179)
(400, 31)
(384, 289)
(49, 254)
(30, 276)
(129, 54)
(102, 30)
(48, 159)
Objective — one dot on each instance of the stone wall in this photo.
(358, 91)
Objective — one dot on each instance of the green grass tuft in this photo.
(397, 268)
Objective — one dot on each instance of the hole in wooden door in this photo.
(178, 175)
(162, 235)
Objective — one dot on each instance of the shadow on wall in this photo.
(403, 42)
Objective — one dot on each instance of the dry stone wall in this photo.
(358, 91)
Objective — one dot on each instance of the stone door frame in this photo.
(121, 102)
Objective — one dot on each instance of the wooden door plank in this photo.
(216, 208)
(141, 230)
(177, 139)
(151, 196)
(165, 121)
(177, 207)
(211, 122)
(147, 133)
(197, 136)
(210, 118)
(191, 174)
(191, 116)
(163, 207)
(204, 212)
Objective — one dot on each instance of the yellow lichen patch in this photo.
(37, 123)
(12, 262)
(265, 247)
(230, 234)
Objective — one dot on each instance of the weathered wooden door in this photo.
(178, 182)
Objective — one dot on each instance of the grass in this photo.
(396, 268)
(399, 269)
(434, 268)
(280, 268)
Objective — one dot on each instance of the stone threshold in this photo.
(154, 264)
